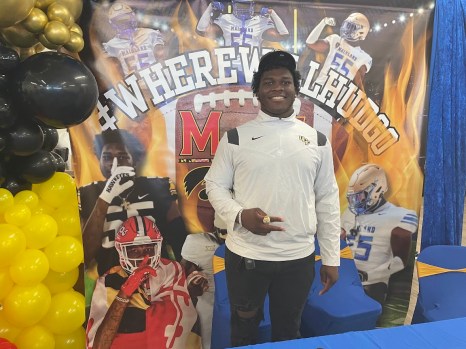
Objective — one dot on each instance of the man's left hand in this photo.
(197, 283)
(328, 277)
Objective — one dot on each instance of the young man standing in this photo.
(272, 182)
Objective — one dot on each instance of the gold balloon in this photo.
(57, 33)
(18, 36)
(47, 44)
(26, 52)
(59, 12)
(74, 6)
(75, 44)
(39, 47)
(43, 4)
(77, 29)
(14, 11)
(36, 21)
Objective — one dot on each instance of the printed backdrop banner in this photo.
(176, 75)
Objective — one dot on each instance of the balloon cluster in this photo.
(46, 91)
(33, 25)
(40, 254)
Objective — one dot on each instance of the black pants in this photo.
(288, 284)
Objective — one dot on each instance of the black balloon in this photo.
(60, 165)
(3, 82)
(50, 138)
(3, 140)
(7, 116)
(25, 139)
(15, 185)
(9, 58)
(2, 173)
(36, 168)
(54, 88)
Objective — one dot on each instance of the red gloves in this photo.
(140, 275)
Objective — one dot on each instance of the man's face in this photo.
(277, 92)
(111, 151)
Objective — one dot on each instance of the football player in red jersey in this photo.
(145, 301)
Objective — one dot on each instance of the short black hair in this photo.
(131, 142)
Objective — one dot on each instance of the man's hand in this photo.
(114, 185)
(330, 21)
(140, 275)
(253, 220)
(197, 283)
(328, 277)
(363, 276)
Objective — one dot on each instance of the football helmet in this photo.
(366, 188)
(137, 238)
(122, 18)
(355, 27)
(243, 9)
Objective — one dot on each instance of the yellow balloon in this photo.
(27, 197)
(76, 42)
(66, 313)
(6, 200)
(61, 281)
(57, 32)
(58, 190)
(73, 340)
(18, 214)
(14, 11)
(36, 21)
(40, 230)
(17, 35)
(35, 337)
(43, 207)
(26, 305)
(74, 6)
(76, 29)
(59, 12)
(6, 283)
(64, 253)
(12, 242)
(29, 267)
(7, 330)
(68, 221)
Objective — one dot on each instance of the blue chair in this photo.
(345, 307)
(221, 316)
(441, 273)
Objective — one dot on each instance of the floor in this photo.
(414, 288)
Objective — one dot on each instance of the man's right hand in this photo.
(114, 185)
(138, 276)
(253, 220)
(330, 21)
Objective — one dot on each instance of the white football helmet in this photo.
(137, 238)
(243, 9)
(366, 188)
(355, 27)
(122, 18)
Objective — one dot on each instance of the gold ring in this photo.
(266, 220)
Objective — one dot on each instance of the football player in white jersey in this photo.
(343, 55)
(135, 48)
(378, 232)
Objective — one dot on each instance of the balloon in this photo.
(12, 242)
(6, 200)
(66, 313)
(26, 305)
(9, 59)
(40, 231)
(43, 4)
(42, 207)
(74, 6)
(76, 43)
(6, 283)
(55, 88)
(35, 168)
(14, 11)
(36, 21)
(50, 138)
(73, 340)
(76, 29)
(18, 214)
(7, 115)
(60, 164)
(27, 197)
(36, 337)
(60, 188)
(25, 138)
(57, 32)
(2, 174)
(46, 43)
(60, 281)
(67, 218)
(7, 330)
(3, 82)
(29, 267)
(17, 35)
(59, 12)
(64, 253)
(15, 185)
(2, 142)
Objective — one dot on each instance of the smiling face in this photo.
(277, 92)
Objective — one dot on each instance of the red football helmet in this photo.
(137, 238)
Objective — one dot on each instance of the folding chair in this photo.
(221, 317)
(345, 307)
(441, 273)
